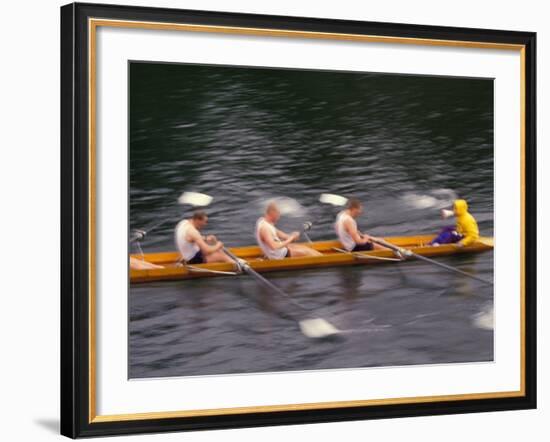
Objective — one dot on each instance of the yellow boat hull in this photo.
(330, 258)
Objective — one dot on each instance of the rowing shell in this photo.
(331, 250)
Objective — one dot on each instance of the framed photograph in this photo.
(279, 220)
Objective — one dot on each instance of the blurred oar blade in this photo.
(331, 198)
(287, 206)
(317, 328)
(195, 199)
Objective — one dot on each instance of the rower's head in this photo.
(460, 207)
(355, 208)
(200, 219)
(272, 213)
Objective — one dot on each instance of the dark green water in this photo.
(405, 145)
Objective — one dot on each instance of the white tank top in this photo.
(186, 248)
(343, 235)
(268, 251)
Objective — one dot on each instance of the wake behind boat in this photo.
(332, 255)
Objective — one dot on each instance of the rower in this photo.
(346, 229)
(275, 243)
(193, 247)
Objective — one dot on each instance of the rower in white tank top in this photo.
(187, 249)
(268, 251)
(343, 235)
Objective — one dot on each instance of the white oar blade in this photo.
(287, 206)
(317, 328)
(485, 320)
(195, 199)
(335, 200)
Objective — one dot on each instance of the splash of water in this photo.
(287, 206)
(437, 199)
(484, 319)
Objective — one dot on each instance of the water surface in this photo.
(405, 145)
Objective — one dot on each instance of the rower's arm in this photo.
(284, 236)
(206, 249)
(354, 233)
(268, 239)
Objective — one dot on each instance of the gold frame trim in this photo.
(93, 24)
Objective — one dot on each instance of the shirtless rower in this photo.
(193, 247)
(346, 228)
(275, 243)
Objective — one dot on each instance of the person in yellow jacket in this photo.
(464, 233)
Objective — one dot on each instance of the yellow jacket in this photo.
(466, 224)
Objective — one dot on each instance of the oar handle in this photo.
(241, 263)
(401, 250)
(140, 234)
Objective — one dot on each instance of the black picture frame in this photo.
(75, 194)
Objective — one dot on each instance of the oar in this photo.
(363, 255)
(409, 253)
(337, 200)
(312, 327)
(307, 226)
(194, 199)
